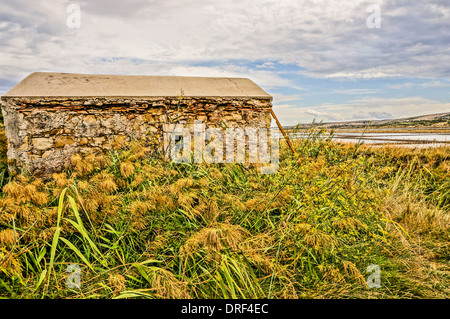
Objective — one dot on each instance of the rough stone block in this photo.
(61, 141)
(42, 143)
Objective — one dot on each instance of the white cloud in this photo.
(266, 65)
(327, 116)
(355, 91)
(327, 38)
(436, 84)
(375, 108)
(359, 109)
(282, 98)
(380, 115)
(428, 84)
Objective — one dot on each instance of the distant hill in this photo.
(430, 120)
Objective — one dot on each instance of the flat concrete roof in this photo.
(49, 84)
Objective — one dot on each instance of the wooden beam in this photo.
(283, 132)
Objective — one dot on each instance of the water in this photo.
(404, 139)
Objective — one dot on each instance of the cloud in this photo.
(266, 65)
(324, 115)
(376, 108)
(373, 108)
(355, 91)
(436, 84)
(282, 98)
(380, 115)
(402, 86)
(427, 84)
(328, 39)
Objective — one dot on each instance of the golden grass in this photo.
(163, 230)
(117, 282)
(7, 237)
(214, 239)
(126, 169)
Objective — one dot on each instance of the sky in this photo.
(320, 60)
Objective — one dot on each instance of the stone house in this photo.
(50, 116)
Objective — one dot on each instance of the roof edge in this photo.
(52, 84)
(265, 97)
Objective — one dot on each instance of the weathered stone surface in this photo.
(25, 145)
(46, 154)
(83, 141)
(90, 119)
(42, 143)
(61, 141)
(99, 140)
(48, 120)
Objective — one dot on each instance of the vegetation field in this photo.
(140, 227)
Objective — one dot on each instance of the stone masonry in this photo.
(48, 117)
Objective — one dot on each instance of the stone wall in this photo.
(43, 133)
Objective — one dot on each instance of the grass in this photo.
(140, 227)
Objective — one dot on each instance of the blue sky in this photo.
(317, 58)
